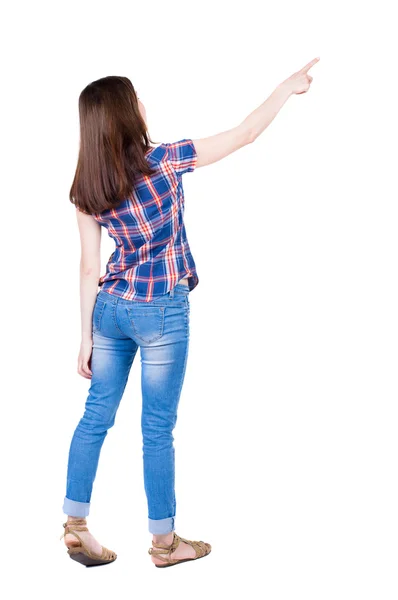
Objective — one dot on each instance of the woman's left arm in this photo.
(90, 268)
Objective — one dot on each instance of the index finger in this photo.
(309, 65)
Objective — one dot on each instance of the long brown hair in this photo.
(113, 143)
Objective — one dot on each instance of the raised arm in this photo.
(215, 147)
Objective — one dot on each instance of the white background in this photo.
(286, 445)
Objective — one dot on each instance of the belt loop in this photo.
(172, 293)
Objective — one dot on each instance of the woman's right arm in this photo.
(214, 148)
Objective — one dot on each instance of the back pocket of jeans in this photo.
(147, 322)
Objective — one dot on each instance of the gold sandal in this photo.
(201, 548)
(80, 552)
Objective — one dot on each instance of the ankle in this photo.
(164, 538)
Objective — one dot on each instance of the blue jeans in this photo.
(161, 329)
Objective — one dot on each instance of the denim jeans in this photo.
(161, 329)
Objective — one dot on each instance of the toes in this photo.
(205, 547)
(108, 554)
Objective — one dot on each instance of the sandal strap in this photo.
(72, 526)
(107, 554)
(75, 522)
(158, 548)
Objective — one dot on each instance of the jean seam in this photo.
(114, 316)
(97, 323)
(180, 389)
(186, 351)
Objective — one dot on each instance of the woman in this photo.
(135, 191)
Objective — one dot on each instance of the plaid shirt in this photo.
(152, 252)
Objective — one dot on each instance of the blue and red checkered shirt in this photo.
(152, 252)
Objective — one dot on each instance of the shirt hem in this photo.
(193, 281)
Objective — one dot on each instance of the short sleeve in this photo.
(182, 155)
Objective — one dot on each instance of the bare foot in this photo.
(183, 550)
(87, 538)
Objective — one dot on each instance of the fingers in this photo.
(308, 79)
(309, 65)
(87, 370)
(84, 374)
(84, 370)
(307, 87)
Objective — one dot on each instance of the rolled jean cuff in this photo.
(161, 526)
(76, 509)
